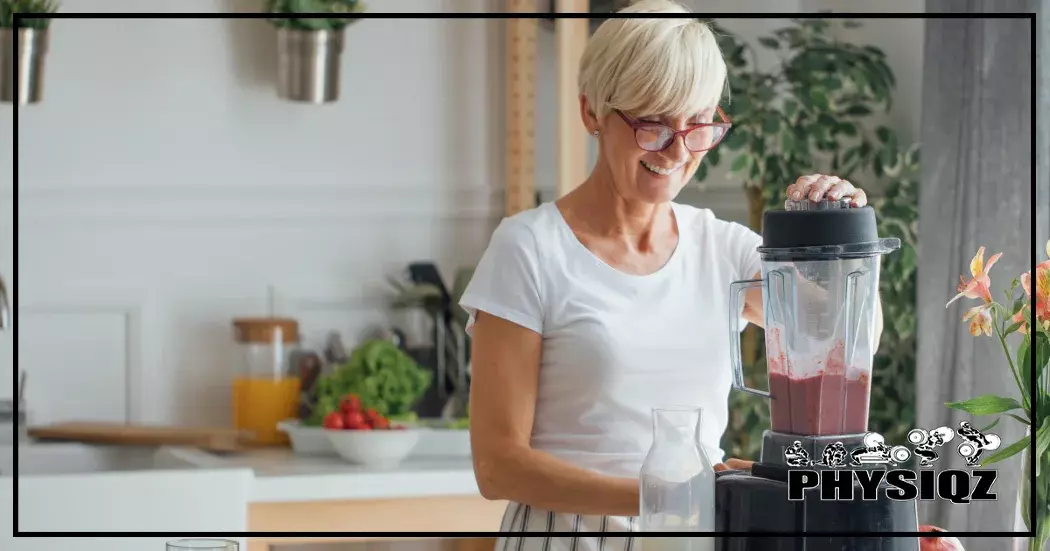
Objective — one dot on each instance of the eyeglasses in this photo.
(653, 136)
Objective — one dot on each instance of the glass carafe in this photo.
(820, 281)
(677, 481)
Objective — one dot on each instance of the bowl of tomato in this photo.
(363, 436)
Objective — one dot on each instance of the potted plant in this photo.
(309, 48)
(815, 111)
(32, 36)
(1031, 405)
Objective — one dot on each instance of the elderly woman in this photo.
(589, 311)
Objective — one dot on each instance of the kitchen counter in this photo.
(302, 493)
(278, 491)
(282, 476)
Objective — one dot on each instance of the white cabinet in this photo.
(77, 490)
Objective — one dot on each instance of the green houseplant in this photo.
(1031, 404)
(310, 41)
(812, 113)
(32, 34)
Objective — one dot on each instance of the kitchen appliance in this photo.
(819, 283)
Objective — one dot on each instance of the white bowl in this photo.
(306, 440)
(374, 448)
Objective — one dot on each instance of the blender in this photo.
(820, 281)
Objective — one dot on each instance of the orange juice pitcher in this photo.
(264, 391)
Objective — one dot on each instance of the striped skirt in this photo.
(525, 518)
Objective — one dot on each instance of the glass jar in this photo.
(677, 482)
(265, 392)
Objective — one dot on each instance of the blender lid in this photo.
(825, 229)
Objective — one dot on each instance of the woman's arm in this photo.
(505, 365)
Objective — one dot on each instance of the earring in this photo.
(595, 133)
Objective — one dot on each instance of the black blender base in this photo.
(756, 502)
(774, 444)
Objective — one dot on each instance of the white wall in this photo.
(163, 187)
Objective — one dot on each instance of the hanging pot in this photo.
(32, 51)
(308, 64)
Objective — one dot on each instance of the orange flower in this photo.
(1042, 294)
(1026, 284)
(980, 285)
(980, 320)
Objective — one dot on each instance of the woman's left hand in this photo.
(734, 464)
(820, 186)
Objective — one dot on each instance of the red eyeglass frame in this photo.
(637, 125)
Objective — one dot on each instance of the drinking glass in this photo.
(203, 545)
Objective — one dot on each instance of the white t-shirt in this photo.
(616, 345)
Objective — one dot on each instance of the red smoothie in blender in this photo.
(826, 402)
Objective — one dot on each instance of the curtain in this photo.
(977, 112)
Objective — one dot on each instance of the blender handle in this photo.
(737, 288)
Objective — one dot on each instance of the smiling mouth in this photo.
(661, 171)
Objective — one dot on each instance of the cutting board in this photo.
(211, 439)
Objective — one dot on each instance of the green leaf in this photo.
(1042, 438)
(848, 129)
(874, 51)
(858, 110)
(737, 138)
(769, 42)
(819, 98)
(771, 123)
(701, 172)
(1006, 453)
(742, 161)
(1042, 354)
(1020, 419)
(713, 156)
(985, 405)
(994, 423)
(883, 133)
(787, 141)
(1023, 361)
(758, 148)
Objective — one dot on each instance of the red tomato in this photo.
(381, 423)
(334, 421)
(354, 420)
(350, 403)
(372, 414)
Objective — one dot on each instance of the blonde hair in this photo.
(652, 65)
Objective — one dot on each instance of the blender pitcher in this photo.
(820, 281)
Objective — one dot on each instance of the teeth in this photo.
(661, 171)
